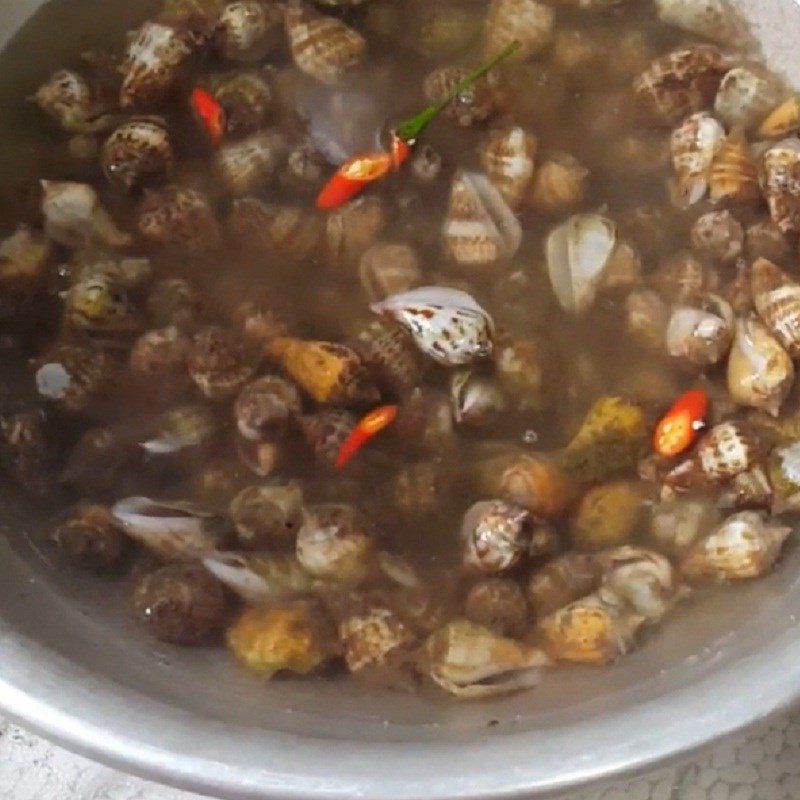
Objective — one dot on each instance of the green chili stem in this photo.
(409, 130)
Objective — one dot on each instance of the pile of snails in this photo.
(420, 436)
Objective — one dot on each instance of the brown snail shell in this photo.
(559, 184)
(781, 121)
(389, 353)
(351, 230)
(323, 47)
(248, 29)
(718, 235)
(247, 165)
(180, 218)
(480, 229)
(77, 377)
(386, 269)
(280, 231)
(694, 145)
(473, 105)
(526, 21)
(683, 278)
(680, 83)
(67, 97)
(508, 158)
(760, 372)
(157, 363)
(561, 581)
(647, 317)
(247, 98)
(777, 300)
(781, 184)
(325, 432)
(138, 152)
(734, 175)
(152, 64)
(498, 604)
(765, 239)
(218, 363)
(266, 408)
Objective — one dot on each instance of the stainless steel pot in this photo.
(73, 668)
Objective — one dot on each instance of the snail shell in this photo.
(445, 29)
(765, 239)
(335, 543)
(526, 21)
(559, 184)
(247, 165)
(475, 104)
(371, 638)
(781, 184)
(745, 96)
(178, 217)
(477, 400)
(139, 151)
(702, 336)
(777, 300)
(498, 604)
(562, 581)
(734, 174)
(322, 47)
(471, 663)
(694, 144)
(710, 19)
(389, 353)
(647, 317)
(683, 278)
(781, 121)
(745, 546)
(536, 483)
(266, 408)
(278, 231)
(67, 98)
(77, 377)
(158, 363)
(447, 324)
(578, 253)
(718, 235)
(267, 515)
(99, 304)
(248, 29)
(480, 229)
(218, 363)
(247, 98)
(325, 432)
(152, 64)
(760, 372)
(326, 371)
(351, 230)
(508, 160)
(495, 536)
(74, 216)
(386, 269)
(680, 83)
(596, 629)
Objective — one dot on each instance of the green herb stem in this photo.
(409, 130)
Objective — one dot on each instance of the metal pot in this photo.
(75, 670)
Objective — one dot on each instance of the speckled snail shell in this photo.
(138, 152)
(323, 47)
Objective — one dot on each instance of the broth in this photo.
(512, 511)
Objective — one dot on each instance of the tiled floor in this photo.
(764, 765)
